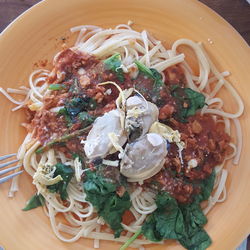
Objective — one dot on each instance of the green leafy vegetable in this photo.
(86, 118)
(75, 108)
(114, 63)
(64, 112)
(151, 73)
(149, 229)
(101, 192)
(188, 102)
(79, 104)
(35, 201)
(206, 187)
(167, 220)
(56, 86)
(183, 222)
(195, 237)
(198, 241)
(66, 173)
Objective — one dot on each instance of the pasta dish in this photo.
(125, 142)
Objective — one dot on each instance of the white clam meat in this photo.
(140, 114)
(144, 157)
(98, 142)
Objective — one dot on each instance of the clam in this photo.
(144, 157)
(98, 143)
(140, 115)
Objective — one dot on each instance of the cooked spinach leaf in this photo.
(79, 104)
(35, 201)
(183, 222)
(206, 187)
(66, 173)
(86, 118)
(151, 73)
(198, 241)
(188, 102)
(65, 114)
(166, 222)
(114, 63)
(101, 192)
(76, 108)
(195, 236)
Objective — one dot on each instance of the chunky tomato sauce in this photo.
(206, 142)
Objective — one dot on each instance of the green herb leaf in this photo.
(56, 86)
(35, 201)
(143, 69)
(169, 217)
(114, 63)
(101, 192)
(151, 73)
(188, 102)
(66, 173)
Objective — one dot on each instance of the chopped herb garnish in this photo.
(79, 104)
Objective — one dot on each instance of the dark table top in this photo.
(236, 12)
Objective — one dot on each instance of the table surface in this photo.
(236, 12)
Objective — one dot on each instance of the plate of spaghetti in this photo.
(132, 125)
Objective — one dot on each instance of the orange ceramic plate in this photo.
(36, 35)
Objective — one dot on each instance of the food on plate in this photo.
(125, 141)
